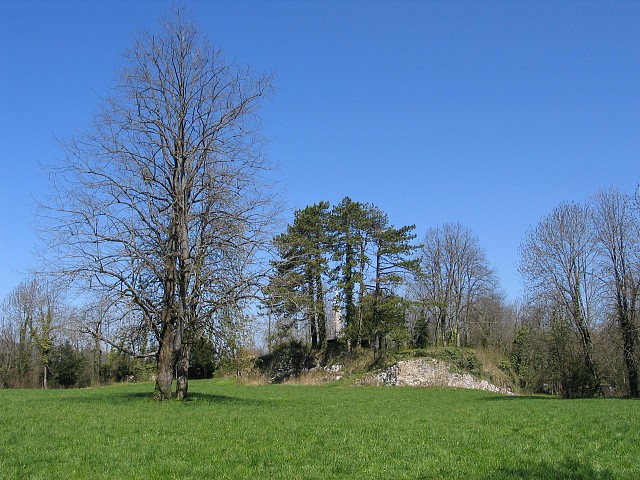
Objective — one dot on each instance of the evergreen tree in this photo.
(351, 226)
(296, 291)
(363, 239)
(393, 250)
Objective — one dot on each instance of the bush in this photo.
(67, 366)
(464, 359)
(121, 367)
(202, 361)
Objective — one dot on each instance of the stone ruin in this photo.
(430, 373)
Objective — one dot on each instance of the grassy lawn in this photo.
(293, 431)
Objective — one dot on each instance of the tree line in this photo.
(160, 248)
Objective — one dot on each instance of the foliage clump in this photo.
(67, 366)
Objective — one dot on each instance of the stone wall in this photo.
(429, 373)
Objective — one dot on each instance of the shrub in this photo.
(202, 361)
(67, 366)
(463, 359)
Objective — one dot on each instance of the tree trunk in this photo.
(443, 328)
(166, 362)
(322, 319)
(314, 331)
(312, 312)
(348, 291)
(361, 292)
(377, 327)
(589, 362)
(182, 385)
(97, 363)
(630, 341)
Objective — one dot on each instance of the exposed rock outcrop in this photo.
(429, 373)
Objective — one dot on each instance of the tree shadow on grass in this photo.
(553, 397)
(568, 469)
(194, 398)
(519, 397)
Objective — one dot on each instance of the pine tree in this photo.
(350, 229)
(296, 291)
(393, 250)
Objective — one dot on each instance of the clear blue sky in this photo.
(484, 113)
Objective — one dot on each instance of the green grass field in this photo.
(292, 431)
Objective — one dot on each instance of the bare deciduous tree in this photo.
(618, 235)
(160, 207)
(32, 312)
(558, 261)
(454, 275)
